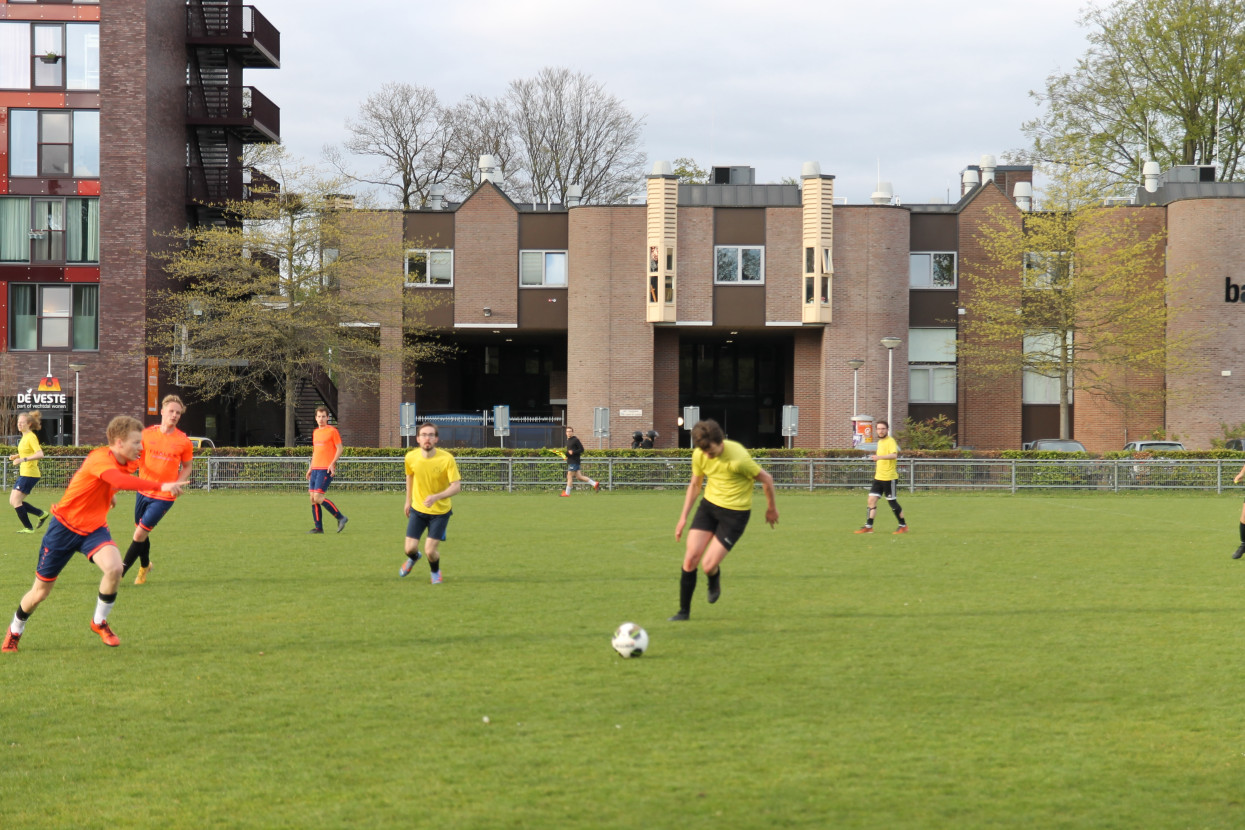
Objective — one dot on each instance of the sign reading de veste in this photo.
(48, 395)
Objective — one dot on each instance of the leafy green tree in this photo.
(689, 172)
(1074, 293)
(1162, 80)
(298, 284)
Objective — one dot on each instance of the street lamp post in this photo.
(855, 363)
(890, 343)
(76, 367)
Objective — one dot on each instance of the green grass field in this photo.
(1066, 661)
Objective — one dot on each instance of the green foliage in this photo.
(1229, 433)
(981, 672)
(1162, 80)
(930, 434)
(689, 172)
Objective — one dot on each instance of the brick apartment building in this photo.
(118, 121)
(741, 298)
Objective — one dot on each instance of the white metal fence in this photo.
(512, 474)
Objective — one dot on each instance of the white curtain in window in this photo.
(82, 230)
(1043, 386)
(86, 317)
(14, 55)
(931, 345)
(14, 230)
(23, 332)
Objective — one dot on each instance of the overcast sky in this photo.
(922, 89)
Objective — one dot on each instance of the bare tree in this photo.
(571, 131)
(406, 128)
(479, 126)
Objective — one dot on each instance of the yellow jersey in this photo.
(28, 446)
(426, 476)
(729, 478)
(888, 468)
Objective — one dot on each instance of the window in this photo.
(739, 264)
(542, 269)
(931, 369)
(49, 55)
(54, 143)
(1047, 269)
(1040, 385)
(49, 230)
(53, 317)
(931, 270)
(430, 268)
(931, 384)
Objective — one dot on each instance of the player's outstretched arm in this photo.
(1239, 476)
(693, 489)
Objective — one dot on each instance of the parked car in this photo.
(1055, 445)
(1153, 446)
(1237, 444)
(201, 443)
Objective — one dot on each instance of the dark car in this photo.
(1056, 445)
(1237, 444)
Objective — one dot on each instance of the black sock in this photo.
(131, 556)
(687, 587)
(144, 549)
(32, 510)
(713, 578)
(434, 565)
(1243, 533)
(869, 517)
(23, 615)
(898, 511)
(21, 515)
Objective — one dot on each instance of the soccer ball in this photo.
(630, 640)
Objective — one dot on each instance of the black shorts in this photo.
(887, 489)
(726, 525)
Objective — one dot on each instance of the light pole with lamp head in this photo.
(890, 343)
(855, 363)
(76, 368)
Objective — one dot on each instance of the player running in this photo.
(79, 525)
(27, 458)
(326, 448)
(432, 478)
(728, 472)
(574, 456)
(167, 456)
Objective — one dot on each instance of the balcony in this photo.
(241, 29)
(218, 185)
(242, 110)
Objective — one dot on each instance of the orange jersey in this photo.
(163, 458)
(84, 507)
(324, 444)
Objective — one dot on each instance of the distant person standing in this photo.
(79, 525)
(885, 479)
(637, 440)
(326, 448)
(728, 473)
(167, 456)
(1240, 551)
(27, 458)
(649, 438)
(574, 454)
(432, 478)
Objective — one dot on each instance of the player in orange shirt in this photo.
(167, 456)
(79, 525)
(326, 448)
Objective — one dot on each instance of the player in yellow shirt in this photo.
(728, 472)
(27, 458)
(885, 479)
(432, 478)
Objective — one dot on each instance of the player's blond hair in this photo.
(168, 399)
(121, 427)
(35, 418)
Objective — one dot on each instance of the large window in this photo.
(931, 366)
(542, 269)
(430, 268)
(49, 55)
(49, 230)
(54, 143)
(53, 317)
(1048, 269)
(931, 270)
(735, 264)
(1041, 385)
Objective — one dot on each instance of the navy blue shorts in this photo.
(26, 483)
(319, 481)
(60, 544)
(148, 511)
(572, 466)
(434, 524)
